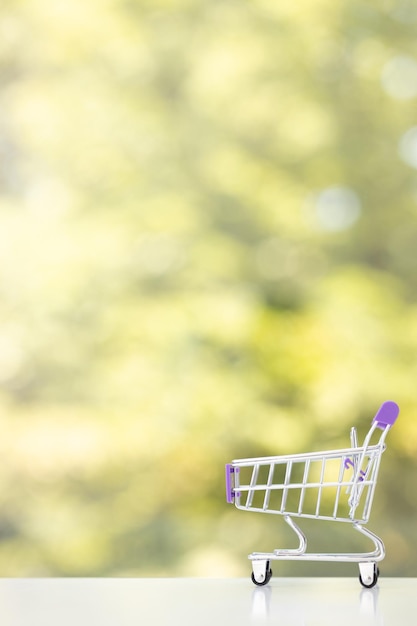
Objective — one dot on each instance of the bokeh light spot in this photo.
(399, 77)
(408, 147)
(336, 208)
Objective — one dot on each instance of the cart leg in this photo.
(261, 572)
(301, 538)
(368, 574)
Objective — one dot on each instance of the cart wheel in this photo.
(369, 585)
(265, 581)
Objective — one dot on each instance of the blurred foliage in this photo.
(208, 228)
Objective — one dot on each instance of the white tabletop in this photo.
(211, 602)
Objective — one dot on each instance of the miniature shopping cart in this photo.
(335, 485)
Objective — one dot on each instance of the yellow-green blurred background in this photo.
(208, 250)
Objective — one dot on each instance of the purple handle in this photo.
(387, 414)
(229, 483)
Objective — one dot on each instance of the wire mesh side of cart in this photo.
(334, 485)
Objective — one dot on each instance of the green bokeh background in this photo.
(208, 250)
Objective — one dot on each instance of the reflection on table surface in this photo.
(128, 602)
(308, 604)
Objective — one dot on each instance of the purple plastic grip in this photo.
(229, 486)
(387, 414)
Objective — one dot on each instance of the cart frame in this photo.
(332, 485)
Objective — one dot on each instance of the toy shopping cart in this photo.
(335, 485)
